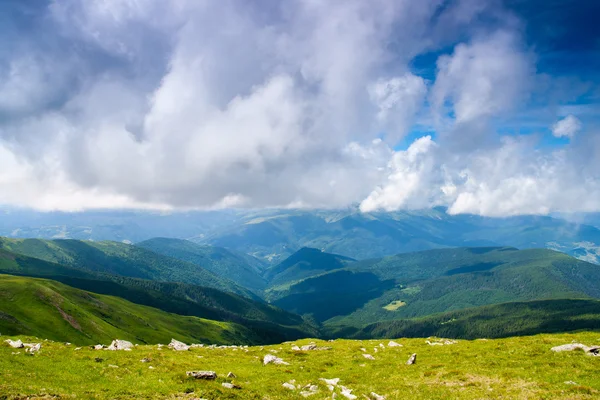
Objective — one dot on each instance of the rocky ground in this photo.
(561, 366)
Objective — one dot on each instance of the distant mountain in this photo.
(304, 263)
(275, 235)
(52, 310)
(495, 321)
(269, 323)
(240, 268)
(120, 259)
(418, 284)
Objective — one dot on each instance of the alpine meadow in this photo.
(379, 200)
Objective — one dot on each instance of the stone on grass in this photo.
(368, 357)
(347, 393)
(289, 385)
(271, 359)
(332, 382)
(412, 359)
(145, 360)
(394, 344)
(230, 385)
(98, 347)
(118, 344)
(231, 375)
(15, 344)
(375, 396)
(178, 346)
(206, 375)
(33, 348)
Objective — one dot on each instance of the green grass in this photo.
(55, 311)
(514, 368)
(270, 323)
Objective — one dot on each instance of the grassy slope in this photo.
(305, 263)
(244, 270)
(495, 321)
(48, 309)
(120, 259)
(514, 368)
(271, 323)
(438, 281)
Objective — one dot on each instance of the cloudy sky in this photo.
(488, 107)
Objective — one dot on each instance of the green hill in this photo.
(304, 263)
(241, 268)
(48, 309)
(120, 259)
(271, 323)
(494, 321)
(418, 284)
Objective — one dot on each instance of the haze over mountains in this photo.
(273, 235)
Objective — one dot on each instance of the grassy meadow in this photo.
(512, 368)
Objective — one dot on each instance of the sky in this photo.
(485, 107)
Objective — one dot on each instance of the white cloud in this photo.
(566, 127)
(484, 78)
(296, 103)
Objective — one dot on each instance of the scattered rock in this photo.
(145, 360)
(394, 344)
(113, 366)
(570, 383)
(98, 347)
(309, 390)
(231, 375)
(15, 344)
(118, 344)
(363, 349)
(77, 348)
(196, 345)
(289, 385)
(441, 342)
(412, 359)
(375, 396)
(591, 351)
(368, 357)
(207, 375)
(270, 358)
(381, 345)
(33, 348)
(347, 393)
(151, 367)
(178, 346)
(230, 385)
(295, 348)
(332, 382)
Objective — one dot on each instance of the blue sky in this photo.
(488, 107)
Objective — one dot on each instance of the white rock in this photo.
(288, 385)
(571, 347)
(347, 393)
(368, 357)
(363, 349)
(295, 348)
(375, 396)
(230, 385)
(394, 344)
(15, 344)
(118, 344)
(332, 382)
(98, 347)
(381, 345)
(206, 375)
(77, 348)
(270, 358)
(178, 346)
(34, 348)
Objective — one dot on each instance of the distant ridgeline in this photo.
(83, 291)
